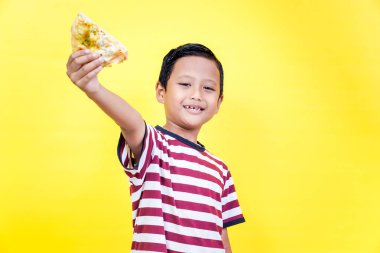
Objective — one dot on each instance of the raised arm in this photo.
(82, 69)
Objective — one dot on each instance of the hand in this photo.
(83, 68)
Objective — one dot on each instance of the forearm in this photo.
(117, 108)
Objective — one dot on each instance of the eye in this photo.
(185, 84)
(209, 88)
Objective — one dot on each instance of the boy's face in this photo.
(192, 93)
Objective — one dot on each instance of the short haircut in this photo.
(190, 49)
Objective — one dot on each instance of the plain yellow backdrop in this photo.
(299, 126)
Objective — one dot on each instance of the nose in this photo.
(195, 94)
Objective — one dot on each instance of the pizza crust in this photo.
(86, 34)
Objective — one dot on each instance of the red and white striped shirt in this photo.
(182, 196)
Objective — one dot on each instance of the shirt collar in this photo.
(198, 146)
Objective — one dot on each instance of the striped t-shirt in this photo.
(182, 196)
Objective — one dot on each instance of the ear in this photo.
(220, 100)
(160, 93)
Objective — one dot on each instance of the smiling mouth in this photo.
(193, 108)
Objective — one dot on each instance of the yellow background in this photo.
(299, 127)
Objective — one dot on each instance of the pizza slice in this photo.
(86, 34)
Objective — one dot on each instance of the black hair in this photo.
(190, 49)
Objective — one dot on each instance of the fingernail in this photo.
(87, 51)
(101, 59)
(95, 55)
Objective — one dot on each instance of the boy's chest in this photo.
(191, 174)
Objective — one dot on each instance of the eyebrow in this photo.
(188, 76)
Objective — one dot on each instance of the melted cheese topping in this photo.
(88, 35)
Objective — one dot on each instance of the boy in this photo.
(183, 197)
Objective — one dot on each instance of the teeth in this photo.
(192, 107)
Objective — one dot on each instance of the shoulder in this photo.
(215, 158)
(217, 161)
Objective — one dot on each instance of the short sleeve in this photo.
(231, 211)
(136, 170)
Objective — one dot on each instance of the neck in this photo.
(189, 134)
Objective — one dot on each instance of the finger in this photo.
(90, 75)
(93, 73)
(80, 61)
(86, 69)
(76, 54)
